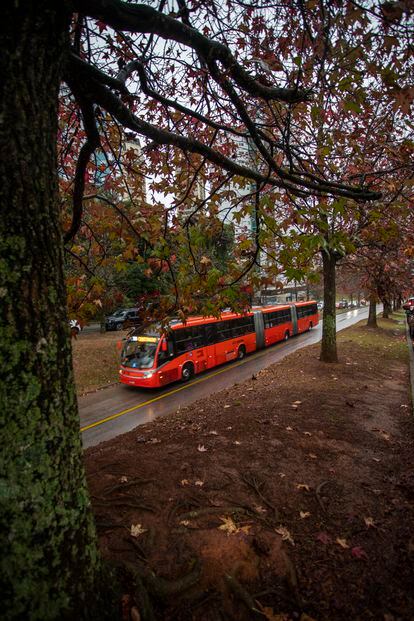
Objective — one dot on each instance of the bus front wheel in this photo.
(286, 335)
(241, 352)
(187, 372)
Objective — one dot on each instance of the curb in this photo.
(411, 359)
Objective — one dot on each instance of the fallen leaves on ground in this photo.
(137, 530)
(369, 522)
(201, 448)
(323, 538)
(342, 543)
(359, 553)
(230, 527)
(304, 514)
(285, 534)
(303, 486)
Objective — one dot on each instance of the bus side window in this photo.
(210, 333)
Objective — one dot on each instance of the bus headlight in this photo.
(148, 374)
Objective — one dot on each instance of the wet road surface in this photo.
(110, 412)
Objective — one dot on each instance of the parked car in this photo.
(320, 305)
(343, 304)
(121, 317)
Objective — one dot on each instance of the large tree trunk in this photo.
(328, 347)
(49, 560)
(372, 314)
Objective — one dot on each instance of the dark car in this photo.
(122, 318)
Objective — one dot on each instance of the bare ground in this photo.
(96, 360)
(289, 496)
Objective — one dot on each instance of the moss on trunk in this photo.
(49, 559)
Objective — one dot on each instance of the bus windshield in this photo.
(139, 352)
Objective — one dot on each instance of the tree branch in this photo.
(92, 142)
(141, 18)
(112, 104)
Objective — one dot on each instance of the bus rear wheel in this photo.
(286, 336)
(241, 352)
(310, 326)
(187, 372)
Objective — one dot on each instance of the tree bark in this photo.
(372, 313)
(49, 559)
(387, 308)
(328, 346)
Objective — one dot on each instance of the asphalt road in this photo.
(112, 411)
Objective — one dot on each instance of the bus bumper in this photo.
(147, 379)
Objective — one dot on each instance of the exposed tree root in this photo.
(242, 594)
(140, 552)
(123, 503)
(177, 506)
(162, 588)
(318, 494)
(123, 486)
(149, 588)
(210, 511)
(257, 485)
(143, 600)
(108, 525)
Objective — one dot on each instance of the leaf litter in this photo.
(345, 448)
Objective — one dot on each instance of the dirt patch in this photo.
(96, 360)
(290, 494)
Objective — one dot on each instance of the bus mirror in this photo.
(164, 346)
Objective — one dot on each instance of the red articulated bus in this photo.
(153, 359)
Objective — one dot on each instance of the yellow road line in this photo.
(173, 392)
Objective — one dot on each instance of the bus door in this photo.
(210, 349)
(168, 368)
(294, 318)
